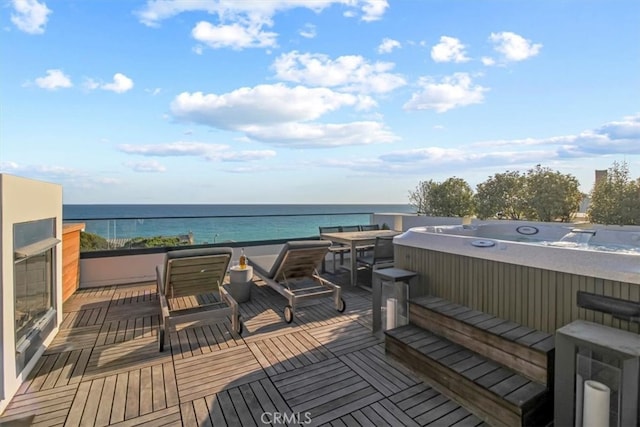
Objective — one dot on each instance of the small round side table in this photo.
(240, 283)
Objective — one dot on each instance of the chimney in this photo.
(600, 175)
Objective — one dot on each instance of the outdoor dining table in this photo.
(354, 239)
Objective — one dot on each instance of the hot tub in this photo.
(524, 271)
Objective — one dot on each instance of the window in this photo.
(33, 291)
(33, 246)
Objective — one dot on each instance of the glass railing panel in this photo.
(128, 233)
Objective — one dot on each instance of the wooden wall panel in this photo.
(70, 259)
(535, 297)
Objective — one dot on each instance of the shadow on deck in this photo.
(325, 368)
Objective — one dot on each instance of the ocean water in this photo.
(220, 223)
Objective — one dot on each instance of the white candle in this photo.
(596, 404)
(579, 394)
(392, 308)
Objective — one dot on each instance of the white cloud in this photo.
(627, 128)
(257, 10)
(488, 61)
(261, 105)
(374, 9)
(246, 155)
(40, 171)
(241, 24)
(154, 91)
(6, 166)
(173, 149)
(120, 84)
(449, 50)
(438, 159)
(279, 115)
(453, 91)
(30, 16)
(55, 79)
(617, 137)
(308, 31)
(90, 84)
(211, 152)
(235, 36)
(434, 154)
(68, 177)
(147, 166)
(388, 45)
(512, 47)
(106, 181)
(348, 73)
(322, 135)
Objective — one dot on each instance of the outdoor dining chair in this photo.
(335, 249)
(382, 256)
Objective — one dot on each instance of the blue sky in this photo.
(316, 101)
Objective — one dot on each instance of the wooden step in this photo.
(527, 351)
(494, 392)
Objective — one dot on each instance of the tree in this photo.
(452, 197)
(552, 195)
(504, 194)
(616, 198)
(421, 197)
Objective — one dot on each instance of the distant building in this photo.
(584, 205)
(186, 239)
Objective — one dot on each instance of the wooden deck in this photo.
(325, 368)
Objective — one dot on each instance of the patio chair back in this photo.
(329, 229)
(297, 259)
(383, 250)
(346, 228)
(369, 227)
(195, 271)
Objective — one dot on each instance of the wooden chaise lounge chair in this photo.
(293, 274)
(190, 290)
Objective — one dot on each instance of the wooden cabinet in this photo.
(70, 259)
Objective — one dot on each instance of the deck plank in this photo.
(284, 353)
(372, 364)
(344, 337)
(41, 407)
(165, 417)
(74, 339)
(225, 369)
(325, 398)
(124, 356)
(104, 367)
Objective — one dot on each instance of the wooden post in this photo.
(70, 259)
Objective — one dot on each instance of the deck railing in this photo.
(128, 233)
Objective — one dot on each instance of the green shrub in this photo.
(92, 242)
(153, 242)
